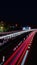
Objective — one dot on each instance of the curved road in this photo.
(17, 56)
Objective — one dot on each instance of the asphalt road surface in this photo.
(32, 57)
(15, 55)
(7, 49)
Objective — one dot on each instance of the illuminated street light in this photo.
(29, 28)
(1, 28)
(23, 28)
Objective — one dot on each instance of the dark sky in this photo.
(25, 16)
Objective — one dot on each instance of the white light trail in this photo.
(15, 34)
(3, 58)
(24, 59)
(9, 36)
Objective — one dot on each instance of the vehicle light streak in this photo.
(16, 55)
(24, 59)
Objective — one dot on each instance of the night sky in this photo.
(24, 16)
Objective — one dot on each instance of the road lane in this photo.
(22, 47)
(32, 56)
(7, 49)
(26, 48)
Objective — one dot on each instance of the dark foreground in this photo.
(32, 57)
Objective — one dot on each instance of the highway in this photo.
(17, 49)
(32, 56)
(9, 47)
(7, 36)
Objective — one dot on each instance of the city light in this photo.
(26, 28)
(16, 25)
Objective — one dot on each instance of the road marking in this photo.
(28, 47)
(3, 58)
